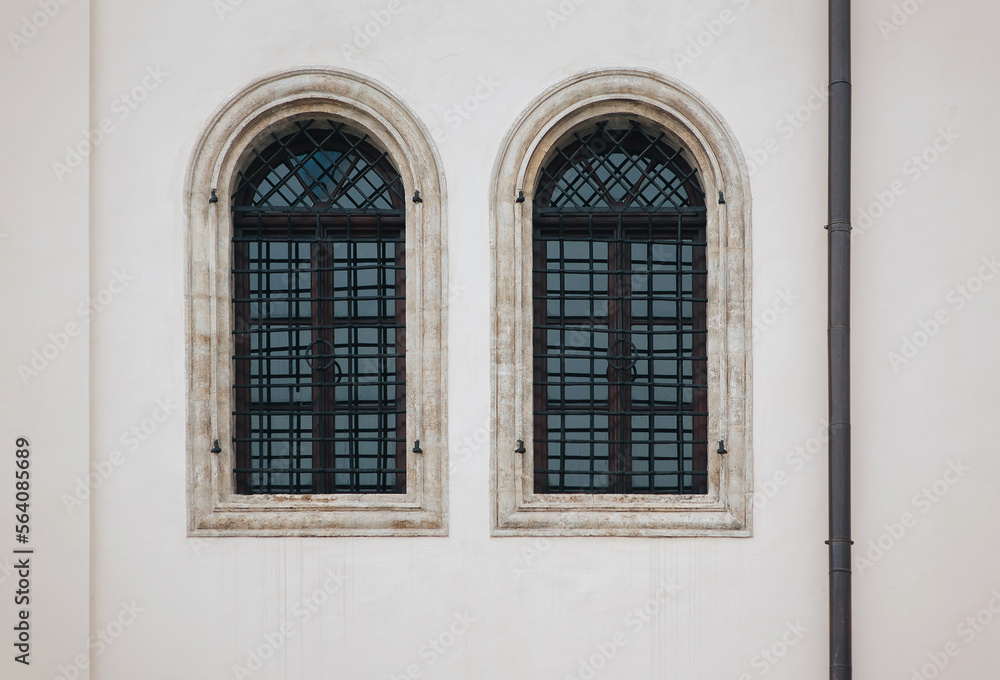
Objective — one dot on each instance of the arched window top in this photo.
(319, 167)
(296, 302)
(621, 299)
(617, 166)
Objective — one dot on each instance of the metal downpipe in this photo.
(839, 343)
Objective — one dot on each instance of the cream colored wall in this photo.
(367, 608)
(45, 302)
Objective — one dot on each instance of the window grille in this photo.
(319, 316)
(620, 331)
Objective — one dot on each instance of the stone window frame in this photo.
(213, 507)
(646, 96)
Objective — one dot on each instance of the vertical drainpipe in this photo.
(839, 338)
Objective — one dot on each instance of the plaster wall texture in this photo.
(925, 430)
(46, 305)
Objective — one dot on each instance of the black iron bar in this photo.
(319, 403)
(619, 293)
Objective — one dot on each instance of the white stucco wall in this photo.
(45, 302)
(538, 607)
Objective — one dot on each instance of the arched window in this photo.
(621, 307)
(619, 290)
(319, 281)
(317, 288)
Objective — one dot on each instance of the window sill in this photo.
(319, 515)
(638, 522)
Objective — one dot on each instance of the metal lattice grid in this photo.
(615, 170)
(319, 317)
(620, 333)
(319, 167)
